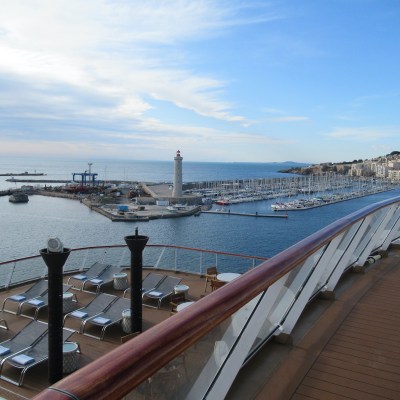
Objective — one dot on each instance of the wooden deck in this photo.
(348, 348)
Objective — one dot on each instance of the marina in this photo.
(27, 224)
(136, 201)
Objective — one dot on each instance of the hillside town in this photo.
(380, 167)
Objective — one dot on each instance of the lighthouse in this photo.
(177, 190)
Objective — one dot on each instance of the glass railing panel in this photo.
(77, 260)
(196, 261)
(165, 259)
(294, 283)
(375, 220)
(27, 270)
(115, 255)
(298, 276)
(86, 258)
(389, 226)
(190, 374)
(340, 251)
(361, 245)
(240, 265)
(6, 271)
(151, 255)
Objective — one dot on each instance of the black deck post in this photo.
(55, 262)
(136, 244)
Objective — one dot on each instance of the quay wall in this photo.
(6, 192)
(61, 195)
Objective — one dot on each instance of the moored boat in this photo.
(223, 202)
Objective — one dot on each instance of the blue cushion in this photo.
(101, 320)
(4, 350)
(23, 359)
(81, 277)
(36, 302)
(18, 297)
(155, 294)
(79, 314)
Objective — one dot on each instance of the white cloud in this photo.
(289, 119)
(363, 134)
(125, 50)
(156, 132)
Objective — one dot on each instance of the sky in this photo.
(220, 80)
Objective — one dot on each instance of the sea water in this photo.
(25, 228)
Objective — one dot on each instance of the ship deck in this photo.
(342, 348)
(346, 348)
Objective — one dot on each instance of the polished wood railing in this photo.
(119, 372)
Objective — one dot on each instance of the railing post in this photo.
(176, 259)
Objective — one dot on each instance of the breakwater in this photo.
(256, 215)
(6, 192)
(37, 180)
(23, 174)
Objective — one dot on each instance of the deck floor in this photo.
(350, 350)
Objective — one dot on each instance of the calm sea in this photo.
(24, 228)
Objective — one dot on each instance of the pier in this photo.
(257, 215)
(37, 180)
(23, 174)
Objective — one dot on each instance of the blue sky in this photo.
(259, 81)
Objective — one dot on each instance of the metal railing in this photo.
(200, 350)
(166, 257)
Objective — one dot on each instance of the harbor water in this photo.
(25, 228)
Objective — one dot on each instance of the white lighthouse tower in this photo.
(177, 190)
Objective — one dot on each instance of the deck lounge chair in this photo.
(39, 303)
(111, 317)
(3, 321)
(149, 283)
(98, 305)
(162, 291)
(104, 278)
(22, 340)
(34, 355)
(92, 273)
(37, 289)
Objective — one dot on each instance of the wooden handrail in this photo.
(120, 371)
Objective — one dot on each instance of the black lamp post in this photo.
(136, 244)
(55, 261)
